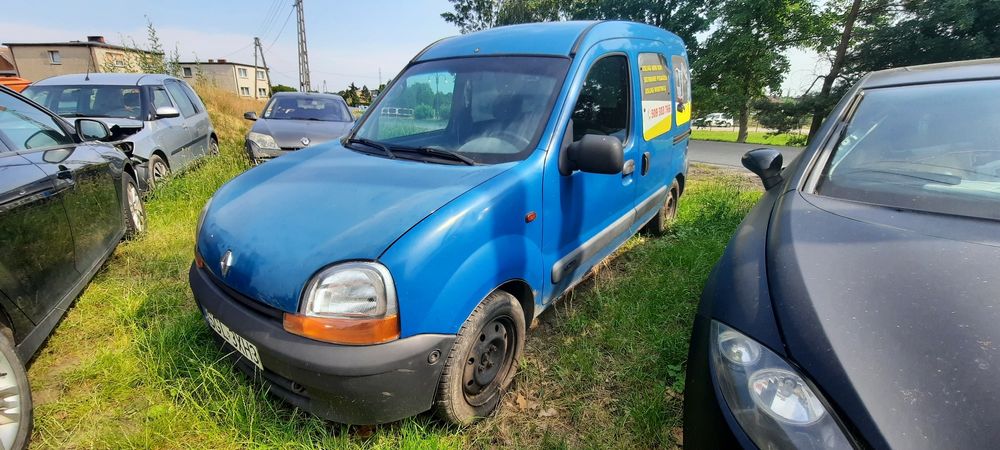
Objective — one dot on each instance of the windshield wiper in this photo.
(373, 144)
(438, 152)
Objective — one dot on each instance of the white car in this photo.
(717, 120)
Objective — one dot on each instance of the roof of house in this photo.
(6, 55)
(109, 79)
(77, 44)
(935, 73)
(225, 63)
(549, 38)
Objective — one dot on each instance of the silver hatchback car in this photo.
(159, 120)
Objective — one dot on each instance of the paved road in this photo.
(728, 153)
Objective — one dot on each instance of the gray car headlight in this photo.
(262, 140)
(769, 398)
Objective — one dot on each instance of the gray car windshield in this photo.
(933, 148)
(307, 108)
(487, 110)
(123, 102)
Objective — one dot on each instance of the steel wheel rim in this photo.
(489, 361)
(670, 209)
(10, 403)
(135, 207)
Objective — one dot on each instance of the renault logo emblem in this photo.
(304, 141)
(226, 262)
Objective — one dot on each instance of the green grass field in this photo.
(753, 137)
(132, 364)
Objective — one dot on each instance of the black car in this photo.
(293, 120)
(66, 200)
(858, 304)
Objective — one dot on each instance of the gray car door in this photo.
(202, 123)
(189, 114)
(168, 132)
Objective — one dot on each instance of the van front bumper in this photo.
(360, 385)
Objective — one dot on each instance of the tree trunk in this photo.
(835, 68)
(741, 137)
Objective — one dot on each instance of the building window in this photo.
(242, 72)
(117, 59)
(260, 75)
(54, 57)
(187, 72)
(245, 91)
(261, 92)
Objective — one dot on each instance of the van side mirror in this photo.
(250, 115)
(166, 112)
(593, 153)
(766, 163)
(92, 130)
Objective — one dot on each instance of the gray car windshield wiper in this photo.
(437, 152)
(373, 144)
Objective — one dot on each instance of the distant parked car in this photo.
(858, 305)
(293, 120)
(397, 269)
(159, 119)
(66, 200)
(715, 120)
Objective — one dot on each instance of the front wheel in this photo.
(660, 224)
(15, 397)
(483, 361)
(133, 209)
(213, 147)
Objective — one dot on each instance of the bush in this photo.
(423, 112)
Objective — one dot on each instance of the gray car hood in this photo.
(289, 133)
(895, 315)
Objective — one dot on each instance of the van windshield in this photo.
(122, 102)
(487, 109)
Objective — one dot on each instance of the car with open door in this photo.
(858, 305)
(157, 120)
(66, 200)
(397, 269)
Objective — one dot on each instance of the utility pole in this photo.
(324, 86)
(257, 48)
(303, 55)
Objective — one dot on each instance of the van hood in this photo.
(894, 315)
(290, 133)
(285, 220)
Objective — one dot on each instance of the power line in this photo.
(281, 30)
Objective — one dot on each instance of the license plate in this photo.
(245, 347)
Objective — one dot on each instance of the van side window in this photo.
(682, 89)
(180, 98)
(603, 106)
(657, 106)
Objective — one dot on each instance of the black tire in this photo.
(157, 170)
(133, 210)
(660, 223)
(483, 361)
(213, 147)
(15, 397)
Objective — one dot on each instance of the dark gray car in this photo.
(293, 120)
(858, 305)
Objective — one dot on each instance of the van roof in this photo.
(549, 38)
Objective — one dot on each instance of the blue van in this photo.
(396, 269)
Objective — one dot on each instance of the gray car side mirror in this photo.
(166, 112)
(250, 115)
(92, 130)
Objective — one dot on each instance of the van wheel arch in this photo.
(522, 291)
(680, 182)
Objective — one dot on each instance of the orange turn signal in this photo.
(198, 261)
(343, 331)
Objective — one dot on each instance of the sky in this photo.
(348, 40)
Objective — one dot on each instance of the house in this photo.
(40, 60)
(245, 80)
(7, 68)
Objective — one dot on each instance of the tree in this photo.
(475, 15)
(351, 95)
(744, 58)
(366, 95)
(282, 88)
(149, 58)
(781, 115)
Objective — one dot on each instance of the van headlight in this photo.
(264, 141)
(350, 303)
(769, 398)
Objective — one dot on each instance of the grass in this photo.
(132, 364)
(753, 137)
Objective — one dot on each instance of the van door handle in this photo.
(645, 163)
(628, 168)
